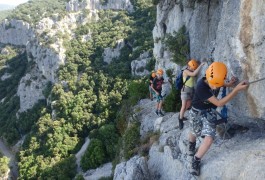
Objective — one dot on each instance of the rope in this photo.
(256, 80)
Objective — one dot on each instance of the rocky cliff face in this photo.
(229, 31)
(237, 155)
(45, 58)
(15, 32)
(75, 5)
(111, 53)
(139, 65)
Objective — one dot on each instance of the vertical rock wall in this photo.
(229, 31)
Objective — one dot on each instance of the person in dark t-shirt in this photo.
(157, 89)
(202, 115)
(152, 76)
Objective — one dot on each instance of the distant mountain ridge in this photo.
(6, 7)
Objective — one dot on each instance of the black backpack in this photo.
(179, 80)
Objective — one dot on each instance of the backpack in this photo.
(179, 80)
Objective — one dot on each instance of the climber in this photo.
(152, 76)
(202, 115)
(157, 89)
(187, 90)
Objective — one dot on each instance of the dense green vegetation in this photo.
(35, 10)
(4, 14)
(102, 148)
(131, 139)
(178, 44)
(172, 102)
(92, 98)
(3, 165)
(88, 101)
(13, 64)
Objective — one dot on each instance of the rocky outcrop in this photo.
(135, 168)
(237, 155)
(227, 31)
(5, 51)
(44, 47)
(15, 32)
(103, 171)
(111, 53)
(138, 66)
(76, 5)
(30, 90)
(80, 153)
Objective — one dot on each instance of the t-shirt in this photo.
(151, 79)
(202, 93)
(157, 84)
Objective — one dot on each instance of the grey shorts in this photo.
(186, 93)
(200, 125)
(150, 89)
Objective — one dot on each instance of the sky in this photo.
(12, 2)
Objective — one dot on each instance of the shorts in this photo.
(200, 123)
(150, 89)
(158, 97)
(186, 93)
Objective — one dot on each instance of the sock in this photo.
(192, 143)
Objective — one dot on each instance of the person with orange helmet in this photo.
(189, 76)
(152, 76)
(157, 89)
(203, 115)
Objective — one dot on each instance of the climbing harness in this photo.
(224, 109)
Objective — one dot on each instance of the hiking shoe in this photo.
(192, 150)
(195, 166)
(160, 113)
(181, 124)
(184, 119)
(157, 112)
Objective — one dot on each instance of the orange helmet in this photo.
(153, 74)
(193, 64)
(216, 74)
(160, 71)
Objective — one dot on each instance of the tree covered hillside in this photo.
(35, 10)
(4, 14)
(92, 99)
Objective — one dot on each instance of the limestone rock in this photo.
(6, 76)
(76, 5)
(30, 91)
(135, 168)
(138, 66)
(241, 156)
(5, 51)
(228, 31)
(15, 32)
(101, 172)
(110, 53)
